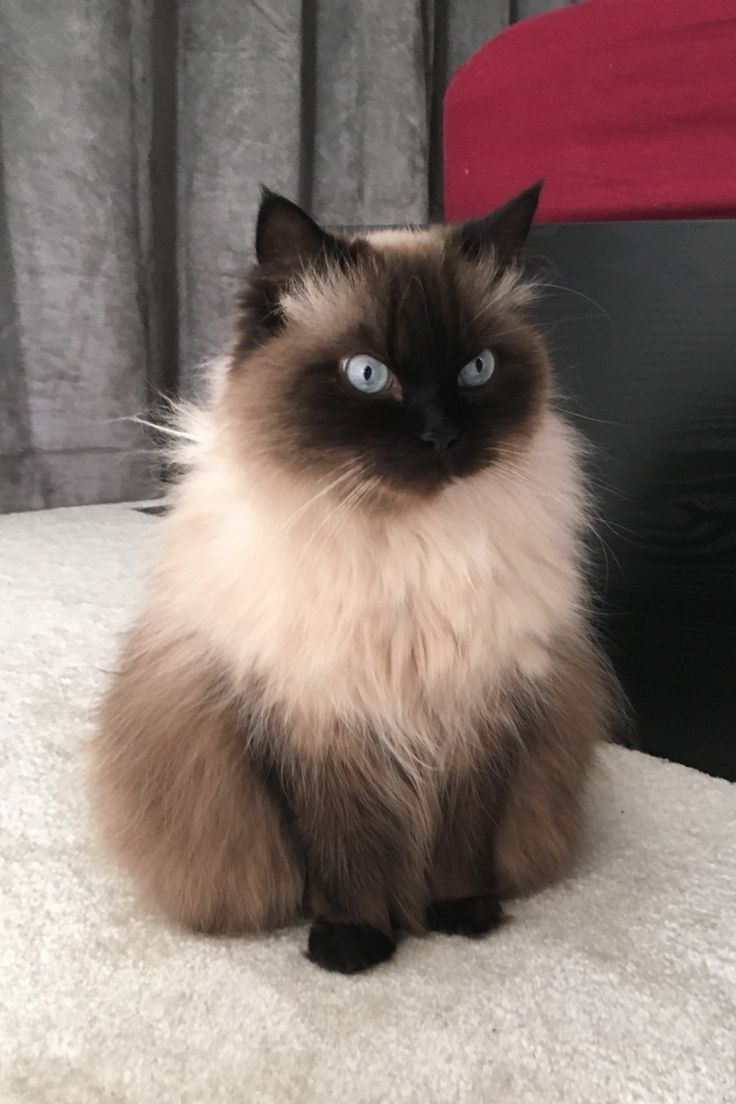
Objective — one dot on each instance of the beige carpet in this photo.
(617, 987)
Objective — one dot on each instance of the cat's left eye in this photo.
(366, 373)
(478, 370)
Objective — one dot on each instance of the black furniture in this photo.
(644, 342)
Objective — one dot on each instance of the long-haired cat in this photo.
(364, 686)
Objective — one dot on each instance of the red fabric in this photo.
(626, 109)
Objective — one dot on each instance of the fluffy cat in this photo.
(364, 687)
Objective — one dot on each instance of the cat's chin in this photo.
(403, 497)
(425, 485)
(369, 487)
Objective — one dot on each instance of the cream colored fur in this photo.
(406, 621)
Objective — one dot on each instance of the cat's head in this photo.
(404, 357)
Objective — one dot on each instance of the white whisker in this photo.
(580, 295)
(341, 508)
(345, 474)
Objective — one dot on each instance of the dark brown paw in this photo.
(471, 916)
(348, 948)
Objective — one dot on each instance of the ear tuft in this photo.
(286, 236)
(504, 230)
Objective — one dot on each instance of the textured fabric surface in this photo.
(624, 109)
(134, 135)
(616, 987)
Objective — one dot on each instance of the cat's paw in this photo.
(472, 916)
(348, 948)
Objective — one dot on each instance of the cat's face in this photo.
(403, 357)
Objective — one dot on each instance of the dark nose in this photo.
(437, 429)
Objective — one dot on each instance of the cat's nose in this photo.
(437, 430)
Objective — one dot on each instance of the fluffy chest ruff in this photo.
(414, 625)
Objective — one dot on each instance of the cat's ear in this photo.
(286, 236)
(504, 230)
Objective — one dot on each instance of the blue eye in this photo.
(478, 370)
(366, 373)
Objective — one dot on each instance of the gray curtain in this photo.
(133, 137)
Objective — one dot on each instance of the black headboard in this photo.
(645, 347)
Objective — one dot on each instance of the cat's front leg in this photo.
(359, 863)
(349, 873)
(463, 884)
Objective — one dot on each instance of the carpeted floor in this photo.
(617, 987)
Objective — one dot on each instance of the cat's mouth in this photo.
(420, 477)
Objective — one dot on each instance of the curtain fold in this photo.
(134, 135)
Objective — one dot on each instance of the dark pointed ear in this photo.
(286, 236)
(504, 230)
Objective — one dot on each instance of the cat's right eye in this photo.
(478, 370)
(366, 374)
